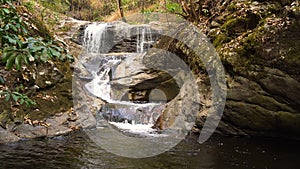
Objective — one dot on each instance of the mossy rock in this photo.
(220, 39)
(5, 117)
(239, 25)
(288, 123)
(57, 98)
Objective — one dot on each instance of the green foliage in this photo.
(16, 97)
(1, 80)
(60, 6)
(11, 24)
(170, 6)
(29, 5)
(173, 7)
(29, 51)
(18, 47)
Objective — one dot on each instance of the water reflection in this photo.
(78, 151)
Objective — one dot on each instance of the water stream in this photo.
(100, 38)
(78, 151)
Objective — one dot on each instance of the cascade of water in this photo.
(138, 41)
(130, 118)
(144, 39)
(93, 37)
(100, 85)
(150, 40)
(96, 37)
(141, 116)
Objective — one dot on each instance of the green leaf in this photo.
(9, 3)
(17, 93)
(44, 55)
(6, 27)
(21, 101)
(54, 52)
(36, 48)
(7, 96)
(19, 43)
(13, 27)
(15, 97)
(9, 48)
(70, 57)
(6, 55)
(18, 25)
(24, 30)
(57, 48)
(10, 40)
(18, 62)
(6, 10)
(31, 102)
(32, 40)
(26, 59)
(10, 62)
(1, 80)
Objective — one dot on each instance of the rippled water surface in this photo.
(78, 151)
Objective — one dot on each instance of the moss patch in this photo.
(220, 39)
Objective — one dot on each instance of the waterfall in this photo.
(100, 85)
(144, 39)
(98, 39)
(126, 115)
(94, 37)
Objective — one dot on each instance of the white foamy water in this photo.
(140, 129)
(100, 85)
(93, 37)
(144, 39)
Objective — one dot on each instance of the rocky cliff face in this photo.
(258, 43)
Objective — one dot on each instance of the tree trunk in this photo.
(143, 6)
(120, 8)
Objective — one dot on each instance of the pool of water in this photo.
(78, 151)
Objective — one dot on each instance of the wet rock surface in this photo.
(49, 85)
(59, 124)
(133, 80)
(120, 36)
(259, 47)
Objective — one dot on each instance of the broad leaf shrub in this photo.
(18, 48)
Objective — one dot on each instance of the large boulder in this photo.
(258, 43)
(133, 80)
